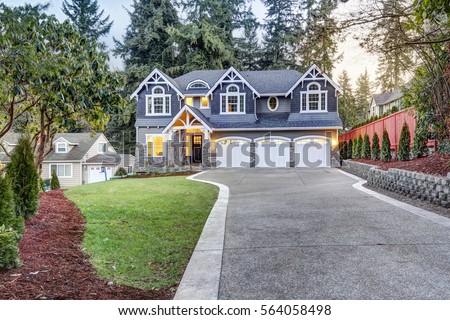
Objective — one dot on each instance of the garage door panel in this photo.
(312, 153)
(233, 154)
(96, 173)
(272, 154)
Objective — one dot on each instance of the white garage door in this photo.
(272, 153)
(98, 174)
(312, 153)
(233, 153)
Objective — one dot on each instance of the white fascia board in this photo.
(279, 129)
(236, 72)
(143, 83)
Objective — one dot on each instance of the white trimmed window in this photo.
(197, 102)
(158, 103)
(272, 103)
(61, 147)
(314, 99)
(155, 145)
(62, 170)
(232, 101)
(198, 84)
(101, 147)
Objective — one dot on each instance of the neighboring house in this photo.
(9, 142)
(231, 118)
(77, 158)
(383, 102)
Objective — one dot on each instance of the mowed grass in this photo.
(141, 232)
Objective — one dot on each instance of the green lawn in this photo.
(141, 232)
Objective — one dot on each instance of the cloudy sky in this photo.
(355, 59)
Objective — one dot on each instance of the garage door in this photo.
(312, 153)
(233, 153)
(272, 153)
(97, 173)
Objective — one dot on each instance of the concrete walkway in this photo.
(308, 234)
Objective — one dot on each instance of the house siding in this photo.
(284, 105)
(141, 105)
(76, 179)
(331, 95)
(94, 149)
(215, 102)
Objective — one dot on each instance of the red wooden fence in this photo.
(393, 124)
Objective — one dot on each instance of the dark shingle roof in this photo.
(386, 97)
(209, 76)
(83, 141)
(107, 158)
(272, 81)
(200, 115)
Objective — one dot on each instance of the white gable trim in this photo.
(177, 116)
(231, 69)
(65, 140)
(197, 80)
(303, 77)
(146, 80)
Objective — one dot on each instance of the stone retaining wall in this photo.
(413, 184)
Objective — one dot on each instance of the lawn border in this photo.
(202, 275)
(431, 216)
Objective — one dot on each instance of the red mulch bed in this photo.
(437, 165)
(54, 267)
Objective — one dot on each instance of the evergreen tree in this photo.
(350, 149)
(420, 140)
(365, 150)
(248, 50)
(346, 102)
(8, 217)
(362, 97)
(404, 143)
(355, 148)
(343, 150)
(280, 34)
(359, 147)
(375, 152)
(206, 40)
(84, 14)
(385, 155)
(317, 38)
(145, 44)
(54, 182)
(24, 178)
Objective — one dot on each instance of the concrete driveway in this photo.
(308, 234)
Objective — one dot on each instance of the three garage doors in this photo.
(308, 152)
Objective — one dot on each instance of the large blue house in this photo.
(231, 118)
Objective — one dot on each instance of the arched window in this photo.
(232, 101)
(272, 103)
(197, 84)
(314, 99)
(158, 103)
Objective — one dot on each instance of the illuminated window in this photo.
(155, 145)
(272, 103)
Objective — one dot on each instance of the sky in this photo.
(355, 60)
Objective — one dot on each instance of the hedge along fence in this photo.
(393, 124)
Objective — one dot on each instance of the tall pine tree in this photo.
(145, 43)
(346, 102)
(248, 50)
(279, 37)
(317, 35)
(362, 96)
(86, 16)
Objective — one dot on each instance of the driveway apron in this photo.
(308, 234)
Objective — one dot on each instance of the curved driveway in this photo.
(308, 234)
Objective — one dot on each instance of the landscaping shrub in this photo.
(385, 147)
(54, 182)
(9, 248)
(349, 149)
(121, 172)
(24, 178)
(358, 147)
(355, 148)
(365, 149)
(343, 150)
(375, 152)
(404, 142)
(420, 148)
(8, 217)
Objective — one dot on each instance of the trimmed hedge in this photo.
(365, 149)
(403, 144)
(9, 248)
(54, 182)
(349, 149)
(385, 148)
(375, 151)
(121, 172)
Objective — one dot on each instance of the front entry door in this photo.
(196, 149)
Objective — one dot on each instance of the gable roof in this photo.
(237, 73)
(83, 141)
(310, 70)
(197, 114)
(387, 97)
(272, 81)
(171, 82)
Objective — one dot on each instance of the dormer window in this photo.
(197, 84)
(61, 147)
(158, 103)
(232, 101)
(101, 147)
(314, 99)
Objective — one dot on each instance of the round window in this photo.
(272, 103)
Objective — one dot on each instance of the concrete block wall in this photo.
(413, 184)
